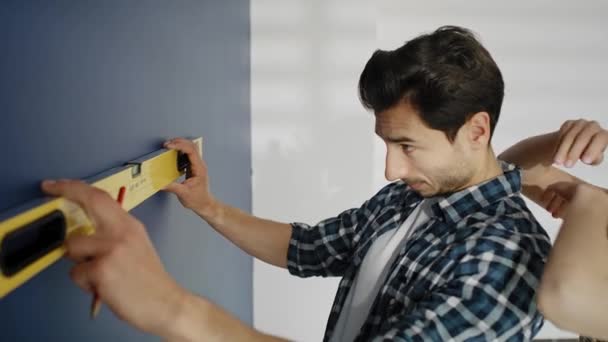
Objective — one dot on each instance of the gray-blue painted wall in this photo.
(88, 85)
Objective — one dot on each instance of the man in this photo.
(447, 251)
(575, 282)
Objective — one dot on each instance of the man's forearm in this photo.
(201, 320)
(535, 157)
(263, 239)
(537, 151)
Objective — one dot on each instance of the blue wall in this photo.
(88, 85)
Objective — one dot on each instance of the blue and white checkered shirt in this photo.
(469, 273)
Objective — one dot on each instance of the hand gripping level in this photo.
(32, 236)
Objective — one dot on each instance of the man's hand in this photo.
(581, 139)
(577, 140)
(120, 264)
(559, 197)
(119, 261)
(194, 192)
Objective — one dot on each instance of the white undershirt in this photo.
(372, 274)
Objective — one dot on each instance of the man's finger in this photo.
(561, 212)
(197, 167)
(558, 157)
(104, 211)
(564, 189)
(546, 198)
(84, 247)
(175, 188)
(555, 205)
(581, 141)
(80, 276)
(74, 190)
(566, 142)
(594, 153)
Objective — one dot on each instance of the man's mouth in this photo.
(416, 185)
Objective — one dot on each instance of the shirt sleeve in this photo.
(489, 296)
(326, 249)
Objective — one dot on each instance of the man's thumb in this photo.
(563, 189)
(175, 188)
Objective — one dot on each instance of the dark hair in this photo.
(447, 76)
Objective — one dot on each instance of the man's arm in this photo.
(535, 156)
(120, 264)
(575, 282)
(576, 140)
(324, 249)
(201, 320)
(573, 289)
(263, 239)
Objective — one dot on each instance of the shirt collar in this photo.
(453, 207)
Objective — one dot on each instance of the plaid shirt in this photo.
(469, 273)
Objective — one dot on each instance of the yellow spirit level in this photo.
(32, 236)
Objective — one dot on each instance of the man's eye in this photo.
(407, 148)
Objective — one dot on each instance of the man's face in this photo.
(422, 157)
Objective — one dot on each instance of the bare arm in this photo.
(575, 281)
(200, 320)
(535, 157)
(119, 263)
(573, 289)
(584, 140)
(263, 239)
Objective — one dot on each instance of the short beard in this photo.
(454, 178)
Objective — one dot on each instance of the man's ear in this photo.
(478, 130)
